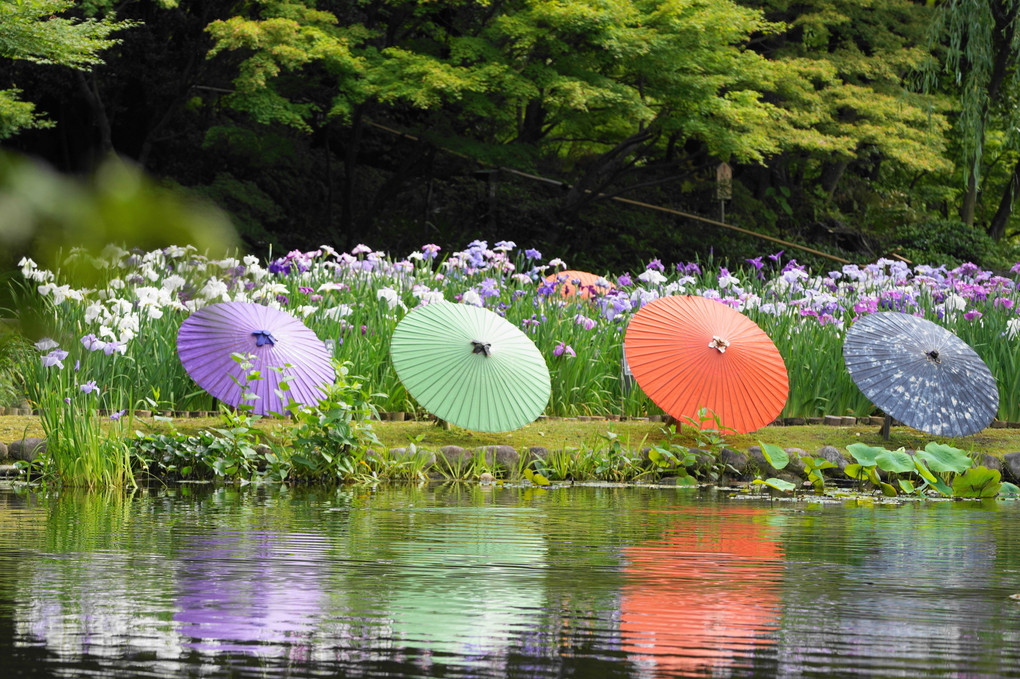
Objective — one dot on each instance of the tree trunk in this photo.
(997, 227)
(90, 90)
(831, 174)
(342, 232)
(969, 206)
(606, 169)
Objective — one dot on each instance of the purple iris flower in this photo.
(54, 358)
(92, 343)
(532, 253)
(111, 348)
(563, 348)
(624, 280)
(488, 288)
(655, 264)
(280, 266)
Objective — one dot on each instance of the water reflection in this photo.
(259, 593)
(461, 583)
(701, 598)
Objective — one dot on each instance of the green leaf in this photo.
(776, 456)
(906, 485)
(887, 489)
(821, 463)
(301, 460)
(977, 482)
(778, 484)
(1009, 490)
(944, 458)
(865, 454)
(539, 480)
(856, 471)
(941, 487)
(897, 461)
(923, 471)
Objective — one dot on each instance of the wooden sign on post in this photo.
(724, 182)
(723, 187)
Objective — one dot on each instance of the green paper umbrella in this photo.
(470, 367)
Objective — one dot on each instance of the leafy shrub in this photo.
(945, 241)
(329, 439)
(326, 444)
(14, 349)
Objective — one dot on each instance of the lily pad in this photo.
(865, 454)
(895, 461)
(944, 458)
(978, 482)
(776, 456)
(1009, 490)
(778, 484)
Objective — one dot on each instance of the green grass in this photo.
(559, 434)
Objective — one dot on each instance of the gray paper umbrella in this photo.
(470, 367)
(921, 374)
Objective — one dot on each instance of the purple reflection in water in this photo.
(260, 593)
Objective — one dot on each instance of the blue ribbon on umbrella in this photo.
(263, 336)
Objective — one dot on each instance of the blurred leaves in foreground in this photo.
(46, 213)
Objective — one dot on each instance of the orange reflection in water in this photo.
(705, 594)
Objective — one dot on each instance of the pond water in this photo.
(466, 581)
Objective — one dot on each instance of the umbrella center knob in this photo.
(481, 348)
(933, 356)
(719, 344)
(262, 337)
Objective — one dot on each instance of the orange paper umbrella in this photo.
(571, 283)
(689, 353)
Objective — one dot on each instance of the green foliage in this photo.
(776, 484)
(977, 482)
(775, 455)
(327, 444)
(813, 467)
(15, 353)
(221, 454)
(329, 439)
(17, 115)
(945, 241)
(942, 458)
(34, 31)
(46, 214)
(940, 468)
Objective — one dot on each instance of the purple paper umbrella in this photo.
(271, 338)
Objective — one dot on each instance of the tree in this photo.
(980, 46)
(33, 31)
(606, 88)
(847, 105)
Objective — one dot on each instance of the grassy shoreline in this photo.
(557, 434)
